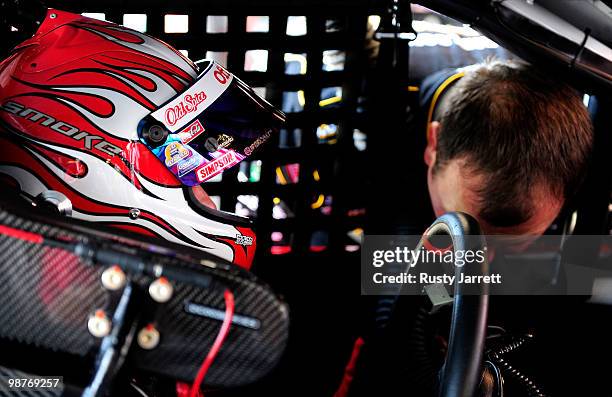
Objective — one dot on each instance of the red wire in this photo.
(21, 234)
(214, 350)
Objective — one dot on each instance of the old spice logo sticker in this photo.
(192, 131)
(211, 169)
(188, 104)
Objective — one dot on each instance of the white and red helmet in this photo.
(127, 128)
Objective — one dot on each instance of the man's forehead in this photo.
(462, 183)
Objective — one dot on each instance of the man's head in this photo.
(508, 146)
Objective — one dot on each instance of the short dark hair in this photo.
(519, 129)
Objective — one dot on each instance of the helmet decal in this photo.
(118, 192)
(142, 43)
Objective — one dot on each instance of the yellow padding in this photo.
(318, 203)
(439, 92)
(280, 176)
(329, 101)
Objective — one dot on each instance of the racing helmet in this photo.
(125, 129)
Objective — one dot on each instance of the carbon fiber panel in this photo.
(50, 293)
(246, 355)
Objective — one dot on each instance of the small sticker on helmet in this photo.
(224, 140)
(258, 142)
(227, 159)
(192, 131)
(244, 240)
(176, 152)
(186, 166)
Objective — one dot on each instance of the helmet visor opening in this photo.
(212, 126)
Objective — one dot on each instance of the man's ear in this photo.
(432, 143)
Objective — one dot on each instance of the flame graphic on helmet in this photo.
(126, 85)
(104, 91)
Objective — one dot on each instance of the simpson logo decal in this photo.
(189, 104)
(191, 132)
(176, 152)
(214, 167)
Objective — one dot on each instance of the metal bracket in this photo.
(438, 296)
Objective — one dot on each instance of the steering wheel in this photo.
(461, 371)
